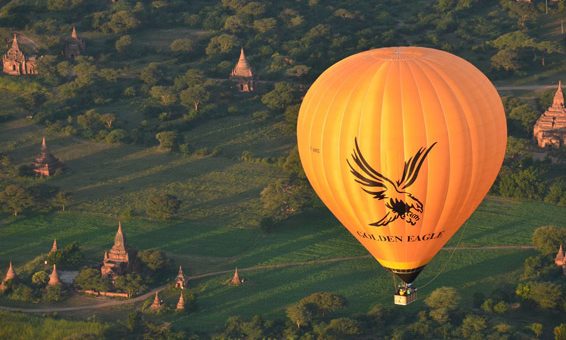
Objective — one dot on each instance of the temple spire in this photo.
(558, 101)
(53, 247)
(74, 34)
(560, 256)
(43, 145)
(54, 277)
(15, 45)
(10, 274)
(119, 239)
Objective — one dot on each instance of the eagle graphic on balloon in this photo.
(399, 203)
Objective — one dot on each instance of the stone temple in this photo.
(550, 128)
(16, 63)
(117, 260)
(45, 164)
(74, 46)
(243, 74)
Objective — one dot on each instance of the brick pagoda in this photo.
(46, 164)
(117, 260)
(16, 63)
(550, 128)
(243, 74)
(74, 46)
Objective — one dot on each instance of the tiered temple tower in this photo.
(550, 128)
(180, 281)
(16, 63)
(46, 164)
(74, 46)
(54, 247)
(243, 74)
(117, 260)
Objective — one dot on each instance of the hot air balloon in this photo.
(402, 144)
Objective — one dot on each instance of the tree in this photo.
(154, 259)
(473, 325)
(162, 206)
(130, 283)
(194, 96)
(341, 328)
(151, 74)
(167, 140)
(90, 278)
(283, 198)
(182, 45)
(123, 44)
(536, 328)
(324, 302)
(16, 199)
(61, 199)
(221, 44)
(300, 314)
(443, 297)
(548, 239)
(53, 293)
(40, 278)
(280, 97)
(123, 21)
(547, 295)
(560, 332)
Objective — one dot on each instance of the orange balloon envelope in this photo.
(402, 144)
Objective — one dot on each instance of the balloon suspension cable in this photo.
(394, 281)
(443, 267)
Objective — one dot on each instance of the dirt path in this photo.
(147, 295)
(524, 87)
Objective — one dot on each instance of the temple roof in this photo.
(45, 157)
(558, 101)
(74, 34)
(242, 69)
(119, 241)
(54, 277)
(15, 45)
(156, 302)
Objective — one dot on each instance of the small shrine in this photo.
(46, 164)
(235, 281)
(54, 277)
(10, 276)
(74, 46)
(181, 303)
(156, 305)
(560, 259)
(243, 74)
(550, 128)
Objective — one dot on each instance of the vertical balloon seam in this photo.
(492, 103)
(432, 74)
(378, 67)
(477, 173)
(317, 102)
(422, 66)
(400, 64)
(425, 123)
(381, 142)
(340, 168)
(323, 153)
